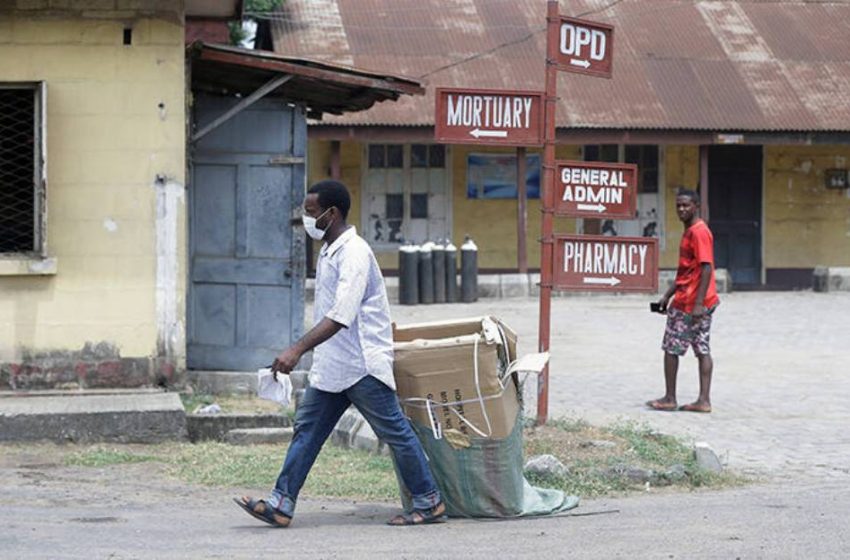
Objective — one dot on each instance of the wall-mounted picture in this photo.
(494, 176)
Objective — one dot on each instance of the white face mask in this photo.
(310, 226)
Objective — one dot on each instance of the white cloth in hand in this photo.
(279, 391)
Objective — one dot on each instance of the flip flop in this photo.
(662, 406)
(263, 511)
(695, 408)
(436, 514)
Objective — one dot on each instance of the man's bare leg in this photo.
(671, 370)
(703, 402)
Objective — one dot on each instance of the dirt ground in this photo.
(48, 510)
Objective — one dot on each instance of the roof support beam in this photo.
(264, 90)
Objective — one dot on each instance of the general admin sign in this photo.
(596, 190)
(490, 117)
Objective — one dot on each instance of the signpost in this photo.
(606, 264)
(596, 190)
(585, 47)
(584, 189)
(490, 117)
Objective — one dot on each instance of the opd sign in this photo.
(493, 117)
(597, 263)
(585, 47)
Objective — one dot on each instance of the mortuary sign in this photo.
(611, 264)
(596, 190)
(490, 117)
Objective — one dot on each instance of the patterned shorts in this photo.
(683, 331)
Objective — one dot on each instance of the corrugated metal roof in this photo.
(322, 87)
(757, 65)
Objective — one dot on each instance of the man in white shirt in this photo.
(352, 364)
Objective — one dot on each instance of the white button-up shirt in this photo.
(350, 290)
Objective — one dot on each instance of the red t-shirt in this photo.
(696, 248)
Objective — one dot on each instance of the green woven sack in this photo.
(480, 477)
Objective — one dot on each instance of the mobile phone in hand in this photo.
(655, 307)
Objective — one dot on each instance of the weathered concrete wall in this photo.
(806, 224)
(116, 212)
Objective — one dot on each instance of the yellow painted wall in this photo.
(319, 168)
(491, 223)
(681, 169)
(806, 224)
(107, 140)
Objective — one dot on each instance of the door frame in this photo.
(704, 172)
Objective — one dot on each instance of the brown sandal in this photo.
(436, 514)
(263, 511)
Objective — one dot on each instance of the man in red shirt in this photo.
(694, 298)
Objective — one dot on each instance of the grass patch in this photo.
(615, 460)
(105, 456)
(338, 472)
(599, 461)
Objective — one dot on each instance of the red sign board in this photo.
(595, 190)
(608, 264)
(585, 47)
(491, 117)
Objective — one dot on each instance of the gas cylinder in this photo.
(468, 271)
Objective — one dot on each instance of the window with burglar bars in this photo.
(405, 194)
(22, 168)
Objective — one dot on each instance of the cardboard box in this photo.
(436, 362)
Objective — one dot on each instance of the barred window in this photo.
(405, 193)
(22, 157)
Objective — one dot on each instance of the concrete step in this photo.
(238, 382)
(223, 382)
(258, 436)
(125, 416)
(216, 426)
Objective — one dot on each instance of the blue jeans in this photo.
(317, 415)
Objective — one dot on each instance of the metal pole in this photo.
(547, 241)
(522, 212)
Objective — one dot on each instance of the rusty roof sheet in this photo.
(756, 65)
(321, 86)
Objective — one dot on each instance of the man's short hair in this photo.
(690, 193)
(332, 193)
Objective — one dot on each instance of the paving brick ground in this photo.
(781, 391)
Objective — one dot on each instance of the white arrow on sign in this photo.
(583, 63)
(595, 207)
(489, 133)
(612, 281)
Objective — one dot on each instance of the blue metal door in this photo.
(246, 271)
